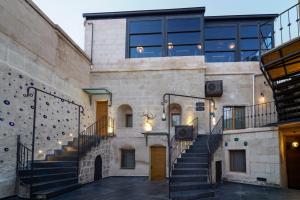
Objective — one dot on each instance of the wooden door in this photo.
(158, 163)
(101, 117)
(293, 163)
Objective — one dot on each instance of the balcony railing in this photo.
(260, 115)
(286, 27)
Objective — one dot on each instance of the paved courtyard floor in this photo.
(125, 188)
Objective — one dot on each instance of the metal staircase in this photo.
(281, 64)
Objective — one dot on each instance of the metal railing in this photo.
(259, 115)
(177, 147)
(214, 141)
(93, 134)
(285, 27)
(23, 156)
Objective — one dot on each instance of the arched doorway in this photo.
(98, 168)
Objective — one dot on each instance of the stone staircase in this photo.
(58, 173)
(190, 178)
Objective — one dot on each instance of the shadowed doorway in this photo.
(98, 168)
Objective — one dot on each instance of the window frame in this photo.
(127, 121)
(172, 122)
(244, 171)
(164, 19)
(233, 118)
(121, 162)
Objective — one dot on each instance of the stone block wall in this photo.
(262, 155)
(87, 163)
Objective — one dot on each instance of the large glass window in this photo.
(165, 37)
(184, 37)
(249, 43)
(145, 38)
(220, 43)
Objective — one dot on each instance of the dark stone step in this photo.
(49, 164)
(189, 171)
(189, 178)
(192, 195)
(65, 153)
(48, 177)
(190, 165)
(46, 194)
(186, 186)
(45, 171)
(193, 155)
(196, 150)
(53, 184)
(192, 160)
(61, 158)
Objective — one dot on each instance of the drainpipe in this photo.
(92, 41)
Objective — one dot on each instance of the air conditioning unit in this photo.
(184, 133)
(214, 88)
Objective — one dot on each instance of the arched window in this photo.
(175, 112)
(124, 117)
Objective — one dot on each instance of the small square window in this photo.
(127, 158)
(237, 160)
(128, 121)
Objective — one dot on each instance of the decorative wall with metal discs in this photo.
(56, 120)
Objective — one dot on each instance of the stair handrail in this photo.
(23, 156)
(213, 146)
(92, 135)
(35, 95)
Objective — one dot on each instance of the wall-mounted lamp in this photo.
(60, 142)
(262, 98)
(71, 134)
(40, 152)
(163, 116)
(214, 121)
(149, 116)
(295, 144)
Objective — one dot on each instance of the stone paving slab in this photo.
(139, 188)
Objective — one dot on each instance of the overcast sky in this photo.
(68, 13)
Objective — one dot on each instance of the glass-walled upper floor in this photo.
(193, 35)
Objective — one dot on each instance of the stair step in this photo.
(48, 177)
(46, 194)
(192, 155)
(189, 178)
(192, 160)
(53, 184)
(191, 165)
(49, 164)
(72, 153)
(189, 171)
(192, 195)
(61, 158)
(186, 186)
(44, 171)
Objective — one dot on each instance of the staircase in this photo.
(59, 172)
(190, 178)
(280, 63)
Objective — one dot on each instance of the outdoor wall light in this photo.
(59, 142)
(147, 127)
(199, 46)
(214, 121)
(71, 134)
(262, 98)
(170, 45)
(163, 117)
(295, 144)
(40, 151)
(231, 46)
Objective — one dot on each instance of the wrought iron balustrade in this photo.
(23, 156)
(286, 27)
(259, 115)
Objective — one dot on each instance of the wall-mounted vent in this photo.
(214, 88)
(184, 133)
